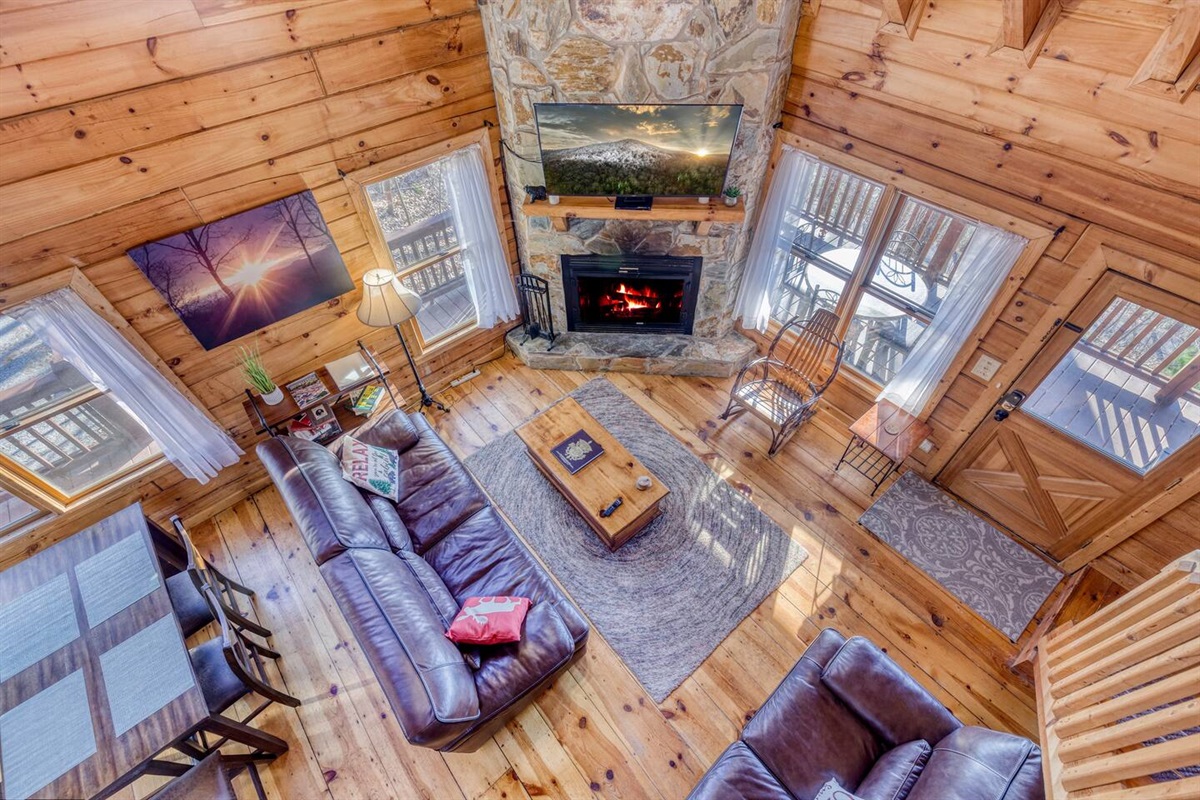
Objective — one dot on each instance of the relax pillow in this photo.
(375, 469)
(832, 790)
(489, 620)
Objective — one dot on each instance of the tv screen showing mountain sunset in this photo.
(659, 150)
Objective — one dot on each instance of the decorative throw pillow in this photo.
(489, 620)
(375, 469)
(832, 790)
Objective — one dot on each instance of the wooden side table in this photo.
(880, 441)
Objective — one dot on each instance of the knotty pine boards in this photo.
(123, 123)
(1064, 142)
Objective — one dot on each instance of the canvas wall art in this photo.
(231, 277)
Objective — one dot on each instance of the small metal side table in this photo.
(880, 440)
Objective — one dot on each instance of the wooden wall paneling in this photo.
(937, 75)
(37, 33)
(361, 61)
(110, 126)
(1057, 182)
(1027, 26)
(144, 61)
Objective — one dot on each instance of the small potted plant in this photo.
(732, 194)
(255, 374)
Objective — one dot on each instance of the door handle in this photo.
(1008, 404)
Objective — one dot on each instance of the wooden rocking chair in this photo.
(783, 388)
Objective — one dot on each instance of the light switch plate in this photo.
(985, 367)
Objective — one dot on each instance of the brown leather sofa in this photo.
(399, 572)
(847, 711)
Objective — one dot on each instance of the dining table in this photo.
(95, 678)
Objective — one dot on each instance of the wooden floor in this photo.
(596, 732)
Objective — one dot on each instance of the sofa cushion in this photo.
(739, 775)
(370, 467)
(894, 774)
(482, 557)
(443, 602)
(436, 491)
(431, 689)
(805, 735)
(392, 429)
(389, 521)
(331, 513)
(980, 764)
(894, 705)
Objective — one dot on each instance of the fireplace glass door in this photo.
(636, 301)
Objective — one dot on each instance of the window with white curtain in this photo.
(60, 433)
(437, 222)
(884, 260)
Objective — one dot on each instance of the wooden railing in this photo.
(1125, 334)
(427, 250)
(1117, 694)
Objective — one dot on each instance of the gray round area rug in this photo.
(667, 598)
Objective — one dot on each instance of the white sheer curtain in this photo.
(484, 260)
(985, 264)
(188, 438)
(771, 249)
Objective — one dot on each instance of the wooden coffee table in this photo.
(593, 488)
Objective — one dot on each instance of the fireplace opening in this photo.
(637, 294)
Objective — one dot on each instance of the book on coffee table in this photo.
(577, 451)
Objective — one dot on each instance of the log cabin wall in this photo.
(1071, 124)
(121, 123)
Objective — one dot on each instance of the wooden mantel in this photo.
(703, 214)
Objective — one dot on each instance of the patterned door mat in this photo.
(985, 568)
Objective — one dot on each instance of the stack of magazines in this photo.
(365, 402)
(307, 390)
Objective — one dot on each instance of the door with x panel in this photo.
(1106, 415)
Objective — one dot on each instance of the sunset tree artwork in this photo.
(231, 277)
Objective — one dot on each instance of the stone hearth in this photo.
(653, 354)
(642, 51)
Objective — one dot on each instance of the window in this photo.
(888, 285)
(61, 436)
(414, 215)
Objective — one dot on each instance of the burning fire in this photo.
(634, 301)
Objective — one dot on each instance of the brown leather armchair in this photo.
(847, 711)
(399, 570)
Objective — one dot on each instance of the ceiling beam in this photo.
(1172, 67)
(902, 16)
(1025, 27)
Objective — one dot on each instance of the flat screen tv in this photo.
(659, 150)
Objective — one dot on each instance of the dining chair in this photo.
(186, 590)
(783, 388)
(209, 779)
(229, 667)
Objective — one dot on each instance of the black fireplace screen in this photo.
(638, 294)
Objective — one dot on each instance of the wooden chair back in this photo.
(245, 657)
(804, 346)
(226, 590)
(1117, 694)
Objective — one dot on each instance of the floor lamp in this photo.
(386, 303)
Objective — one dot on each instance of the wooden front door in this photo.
(1110, 417)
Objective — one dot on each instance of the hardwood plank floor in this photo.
(596, 732)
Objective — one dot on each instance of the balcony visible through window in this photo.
(417, 222)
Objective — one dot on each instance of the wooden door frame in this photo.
(1098, 252)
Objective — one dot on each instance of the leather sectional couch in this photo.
(847, 711)
(398, 570)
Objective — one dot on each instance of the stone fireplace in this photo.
(641, 51)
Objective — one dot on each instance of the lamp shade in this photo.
(385, 301)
